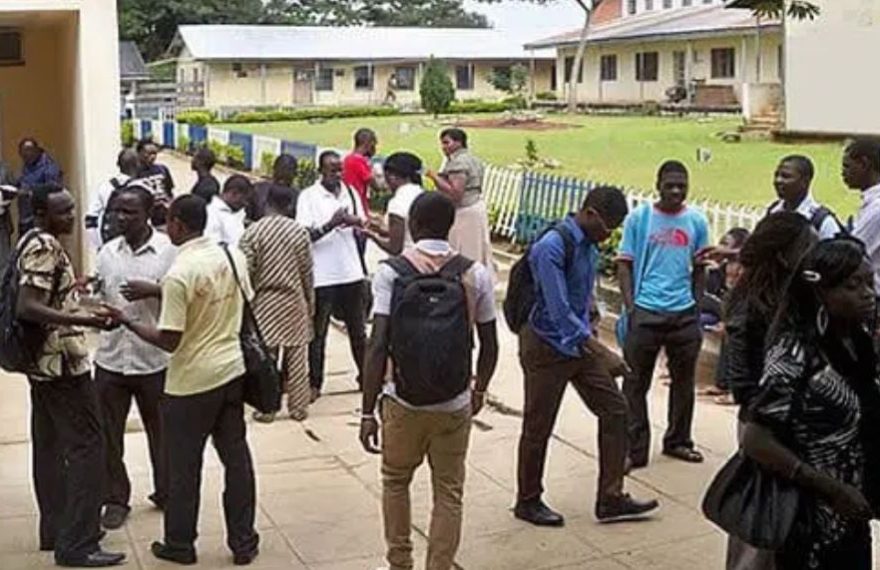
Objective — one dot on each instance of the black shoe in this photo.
(114, 516)
(537, 513)
(97, 559)
(162, 551)
(683, 453)
(624, 508)
(245, 558)
(158, 501)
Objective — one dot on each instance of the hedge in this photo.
(310, 114)
(464, 107)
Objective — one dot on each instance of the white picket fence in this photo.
(503, 187)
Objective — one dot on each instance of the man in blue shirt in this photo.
(38, 169)
(662, 280)
(558, 346)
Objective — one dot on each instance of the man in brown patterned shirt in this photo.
(67, 437)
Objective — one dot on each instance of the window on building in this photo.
(238, 70)
(464, 77)
(780, 62)
(647, 66)
(707, 1)
(667, 4)
(569, 65)
(195, 75)
(363, 78)
(649, 5)
(324, 79)
(406, 78)
(631, 6)
(181, 76)
(687, 3)
(608, 68)
(723, 63)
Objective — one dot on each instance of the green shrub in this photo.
(127, 133)
(477, 106)
(326, 113)
(306, 173)
(608, 251)
(546, 96)
(184, 144)
(200, 117)
(219, 150)
(515, 102)
(436, 90)
(234, 156)
(267, 163)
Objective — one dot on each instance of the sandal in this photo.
(264, 418)
(686, 454)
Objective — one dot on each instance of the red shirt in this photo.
(357, 173)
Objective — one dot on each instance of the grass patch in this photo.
(619, 150)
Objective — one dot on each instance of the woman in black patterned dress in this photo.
(818, 399)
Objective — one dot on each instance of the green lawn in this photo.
(622, 150)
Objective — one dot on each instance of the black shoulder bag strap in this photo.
(354, 211)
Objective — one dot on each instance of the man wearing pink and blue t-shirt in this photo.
(662, 280)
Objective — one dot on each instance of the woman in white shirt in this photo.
(403, 175)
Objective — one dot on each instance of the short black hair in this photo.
(802, 163)
(238, 182)
(205, 157)
(285, 163)
(191, 210)
(126, 158)
(324, 156)
(144, 142)
(672, 167)
(406, 165)
(280, 197)
(739, 235)
(432, 213)
(609, 202)
(455, 134)
(363, 136)
(29, 140)
(866, 148)
(40, 196)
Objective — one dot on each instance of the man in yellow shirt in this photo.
(199, 324)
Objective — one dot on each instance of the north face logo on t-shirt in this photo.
(674, 237)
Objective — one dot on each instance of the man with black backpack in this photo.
(558, 345)
(427, 302)
(792, 181)
(44, 338)
(99, 226)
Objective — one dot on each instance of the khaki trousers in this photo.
(408, 436)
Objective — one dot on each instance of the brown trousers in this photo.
(547, 373)
(408, 436)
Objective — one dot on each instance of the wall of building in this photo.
(831, 70)
(698, 57)
(224, 88)
(66, 93)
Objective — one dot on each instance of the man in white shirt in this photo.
(226, 212)
(792, 182)
(97, 214)
(129, 270)
(332, 213)
(861, 171)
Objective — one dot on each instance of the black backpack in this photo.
(520, 296)
(20, 341)
(431, 340)
(817, 220)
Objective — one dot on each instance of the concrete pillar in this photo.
(263, 83)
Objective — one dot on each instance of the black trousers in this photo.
(348, 300)
(67, 447)
(189, 420)
(115, 392)
(680, 336)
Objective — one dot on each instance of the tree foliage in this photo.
(794, 9)
(153, 23)
(436, 90)
(512, 81)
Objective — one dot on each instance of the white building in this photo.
(59, 83)
(638, 50)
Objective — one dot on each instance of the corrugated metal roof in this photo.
(131, 63)
(702, 20)
(231, 42)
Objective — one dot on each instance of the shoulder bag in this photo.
(262, 379)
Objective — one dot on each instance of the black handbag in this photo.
(262, 379)
(752, 504)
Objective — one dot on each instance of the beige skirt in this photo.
(469, 235)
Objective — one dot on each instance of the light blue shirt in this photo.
(662, 248)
